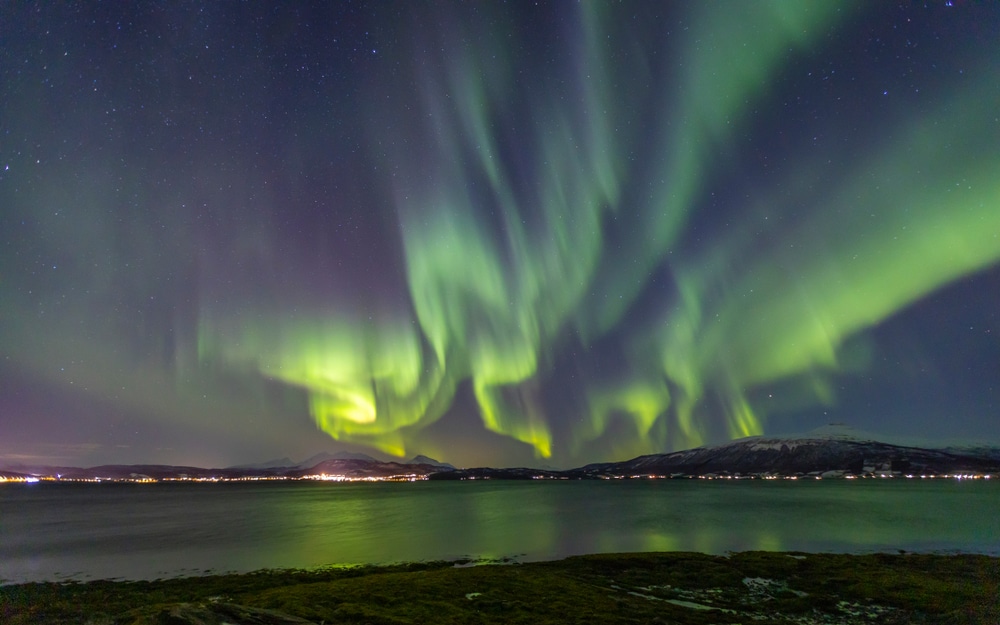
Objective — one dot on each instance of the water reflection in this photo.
(82, 531)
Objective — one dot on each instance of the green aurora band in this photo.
(537, 207)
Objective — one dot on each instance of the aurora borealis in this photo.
(493, 233)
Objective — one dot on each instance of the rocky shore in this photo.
(654, 588)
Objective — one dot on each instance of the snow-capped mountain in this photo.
(831, 451)
(422, 459)
(315, 459)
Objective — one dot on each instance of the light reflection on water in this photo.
(56, 531)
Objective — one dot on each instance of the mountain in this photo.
(333, 469)
(978, 450)
(422, 459)
(833, 451)
(816, 455)
(312, 461)
(13, 475)
(270, 464)
(517, 473)
(341, 465)
(155, 472)
(357, 468)
(34, 470)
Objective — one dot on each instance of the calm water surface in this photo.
(83, 531)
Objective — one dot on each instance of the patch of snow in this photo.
(697, 606)
(844, 432)
(765, 586)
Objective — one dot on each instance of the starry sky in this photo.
(494, 233)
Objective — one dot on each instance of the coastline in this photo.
(664, 587)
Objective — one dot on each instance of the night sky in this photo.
(521, 233)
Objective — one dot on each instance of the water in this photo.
(83, 531)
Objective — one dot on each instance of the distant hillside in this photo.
(13, 475)
(429, 461)
(800, 456)
(360, 469)
(270, 464)
(314, 460)
(339, 468)
(831, 452)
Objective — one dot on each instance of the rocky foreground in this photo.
(660, 588)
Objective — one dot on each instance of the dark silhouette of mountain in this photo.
(518, 473)
(270, 464)
(828, 457)
(13, 475)
(152, 471)
(311, 461)
(832, 451)
(332, 469)
(836, 452)
(985, 452)
(345, 465)
(354, 468)
(34, 470)
(314, 460)
(421, 459)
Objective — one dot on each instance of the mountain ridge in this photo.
(831, 452)
(801, 456)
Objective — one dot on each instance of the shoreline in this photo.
(193, 574)
(675, 587)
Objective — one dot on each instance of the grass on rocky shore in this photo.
(660, 588)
